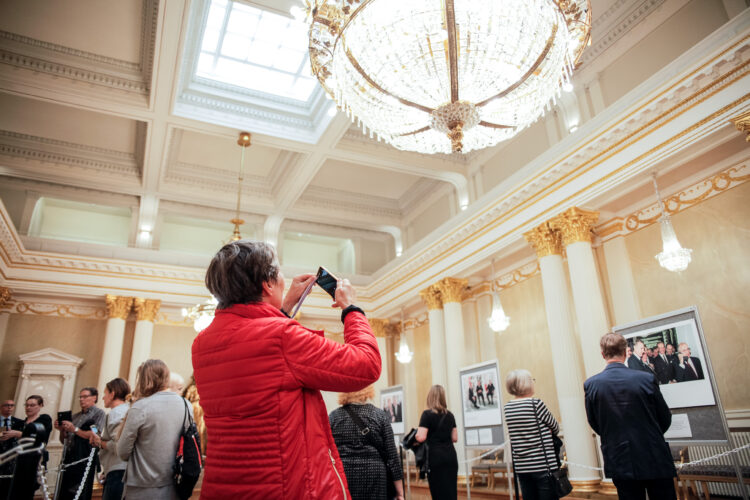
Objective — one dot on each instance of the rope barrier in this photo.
(719, 455)
(487, 453)
(41, 473)
(85, 473)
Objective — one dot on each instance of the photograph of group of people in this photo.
(480, 397)
(674, 354)
(392, 402)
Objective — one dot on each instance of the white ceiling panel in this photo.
(343, 176)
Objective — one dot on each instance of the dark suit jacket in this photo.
(636, 364)
(626, 408)
(664, 370)
(686, 374)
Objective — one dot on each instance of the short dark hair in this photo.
(237, 272)
(119, 388)
(93, 392)
(613, 345)
(39, 400)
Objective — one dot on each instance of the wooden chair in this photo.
(483, 470)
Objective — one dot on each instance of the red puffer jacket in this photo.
(259, 374)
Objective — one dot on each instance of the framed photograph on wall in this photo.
(392, 402)
(480, 395)
(672, 347)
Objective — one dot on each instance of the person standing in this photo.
(25, 485)
(437, 426)
(687, 367)
(8, 439)
(75, 436)
(369, 457)
(259, 374)
(626, 408)
(531, 428)
(115, 395)
(662, 365)
(635, 361)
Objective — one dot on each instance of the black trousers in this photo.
(635, 489)
(443, 481)
(536, 486)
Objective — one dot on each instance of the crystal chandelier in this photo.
(441, 76)
(497, 321)
(672, 257)
(404, 355)
(203, 314)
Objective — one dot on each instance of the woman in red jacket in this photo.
(259, 374)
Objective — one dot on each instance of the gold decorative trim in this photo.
(431, 297)
(742, 123)
(505, 281)
(383, 328)
(118, 307)
(610, 227)
(607, 488)
(575, 224)
(452, 289)
(686, 198)
(146, 309)
(588, 486)
(545, 240)
(4, 295)
(60, 310)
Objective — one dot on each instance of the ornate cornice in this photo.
(431, 297)
(742, 123)
(58, 310)
(544, 240)
(452, 289)
(118, 307)
(382, 327)
(575, 224)
(146, 309)
(5, 295)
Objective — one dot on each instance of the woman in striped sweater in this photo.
(531, 427)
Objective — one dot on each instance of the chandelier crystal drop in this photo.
(498, 321)
(202, 314)
(442, 76)
(672, 257)
(404, 355)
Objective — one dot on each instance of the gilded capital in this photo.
(545, 240)
(452, 289)
(118, 307)
(431, 297)
(575, 224)
(146, 309)
(382, 327)
(4, 295)
(742, 123)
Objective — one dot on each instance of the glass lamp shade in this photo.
(672, 257)
(202, 322)
(202, 314)
(404, 355)
(498, 321)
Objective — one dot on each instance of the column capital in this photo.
(545, 240)
(742, 123)
(575, 224)
(146, 309)
(118, 307)
(431, 297)
(452, 289)
(5, 295)
(382, 327)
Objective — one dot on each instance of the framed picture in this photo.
(673, 349)
(392, 402)
(480, 395)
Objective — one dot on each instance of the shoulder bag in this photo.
(187, 464)
(558, 478)
(365, 431)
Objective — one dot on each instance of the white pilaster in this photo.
(118, 309)
(625, 306)
(144, 330)
(431, 297)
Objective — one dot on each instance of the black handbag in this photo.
(188, 463)
(365, 431)
(558, 478)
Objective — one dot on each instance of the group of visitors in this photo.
(476, 391)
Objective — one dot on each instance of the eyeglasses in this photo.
(8, 405)
(29, 405)
(84, 396)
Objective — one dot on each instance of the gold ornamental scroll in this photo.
(452, 289)
(381, 327)
(4, 295)
(146, 309)
(575, 224)
(545, 240)
(431, 297)
(742, 123)
(118, 307)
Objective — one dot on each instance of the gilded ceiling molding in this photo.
(452, 289)
(146, 309)
(382, 327)
(507, 280)
(431, 297)
(5, 295)
(575, 224)
(118, 307)
(57, 310)
(545, 240)
(742, 123)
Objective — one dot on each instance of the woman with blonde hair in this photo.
(151, 433)
(531, 428)
(364, 438)
(437, 426)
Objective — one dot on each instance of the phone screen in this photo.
(327, 282)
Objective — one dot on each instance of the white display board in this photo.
(481, 404)
(392, 402)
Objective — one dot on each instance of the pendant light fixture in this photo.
(672, 257)
(404, 355)
(498, 321)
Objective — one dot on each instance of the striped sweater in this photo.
(532, 451)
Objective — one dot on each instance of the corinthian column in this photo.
(118, 309)
(145, 311)
(451, 292)
(381, 328)
(575, 227)
(431, 297)
(5, 297)
(566, 359)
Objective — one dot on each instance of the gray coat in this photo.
(149, 440)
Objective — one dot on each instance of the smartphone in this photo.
(327, 281)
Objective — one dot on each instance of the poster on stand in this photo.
(392, 402)
(480, 397)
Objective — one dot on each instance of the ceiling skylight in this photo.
(256, 49)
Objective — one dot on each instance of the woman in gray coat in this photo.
(151, 434)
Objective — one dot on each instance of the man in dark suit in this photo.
(8, 423)
(626, 408)
(671, 355)
(662, 365)
(687, 367)
(634, 361)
